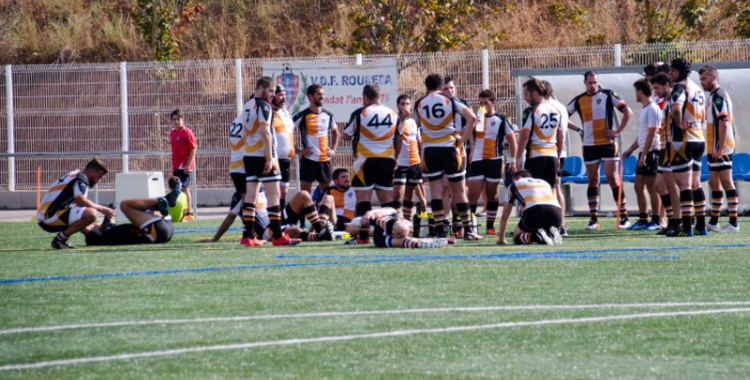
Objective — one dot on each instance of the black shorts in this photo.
(254, 170)
(164, 230)
(183, 176)
(341, 222)
(688, 157)
(722, 163)
(48, 228)
(543, 168)
(372, 173)
(380, 236)
(439, 161)
(540, 216)
(408, 174)
(285, 168)
(311, 171)
(651, 164)
(595, 154)
(240, 183)
(489, 170)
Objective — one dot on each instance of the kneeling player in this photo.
(393, 232)
(144, 227)
(542, 214)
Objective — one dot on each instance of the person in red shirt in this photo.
(184, 146)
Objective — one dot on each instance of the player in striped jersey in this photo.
(390, 231)
(596, 108)
(665, 185)
(376, 133)
(260, 164)
(441, 142)
(549, 95)
(409, 171)
(687, 109)
(283, 128)
(65, 209)
(145, 227)
(720, 138)
(315, 124)
(486, 169)
(649, 122)
(541, 134)
(542, 215)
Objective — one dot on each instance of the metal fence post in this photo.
(618, 55)
(11, 134)
(125, 124)
(485, 69)
(238, 84)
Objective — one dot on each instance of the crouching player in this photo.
(542, 214)
(390, 231)
(144, 227)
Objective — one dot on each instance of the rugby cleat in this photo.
(652, 226)
(730, 228)
(679, 232)
(188, 218)
(556, 237)
(593, 225)
(163, 206)
(491, 231)
(254, 242)
(624, 222)
(357, 241)
(432, 243)
(713, 227)
(703, 232)
(563, 231)
(285, 240)
(327, 232)
(542, 235)
(637, 226)
(58, 243)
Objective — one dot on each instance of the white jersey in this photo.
(437, 117)
(719, 110)
(488, 144)
(245, 135)
(374, 129)
(531, 192)
(563, 124)
(409, 154)
(649, 119)
(542, 120)
(314, 129)
(693, 101)
(63, 193)
(283, 128)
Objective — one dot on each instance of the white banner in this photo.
(342, 83)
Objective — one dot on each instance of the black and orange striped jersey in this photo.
(245, 138)
(597, 115)
(410, 141)
(283, 127)
(374, 130)
(530, 192)
(543, 121)
(63, 193)
(719, 110)
(437, 116)
(314, 129)
(488, 144)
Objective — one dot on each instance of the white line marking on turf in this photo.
(386, 334)
(367, 312)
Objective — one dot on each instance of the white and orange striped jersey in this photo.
(283, 128)
(344, 201)
(542, 120)
(719, 109)
(374, 130)
(693, 101)
(245, 135)
(597, 115)
(531, 192)
(437, 116)
(314, 129)
(410, 141)
(563, 124)
(488, 144)
(63, 193)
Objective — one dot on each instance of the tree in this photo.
(403, 26)
(163, 23)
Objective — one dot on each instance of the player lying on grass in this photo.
(542, 215)
(393, 232)
(300, 206)
(146, 226)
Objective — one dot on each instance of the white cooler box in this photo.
(137, 185)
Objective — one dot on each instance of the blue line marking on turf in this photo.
(380, 259)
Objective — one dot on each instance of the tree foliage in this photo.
(402, 26)
(163, 24)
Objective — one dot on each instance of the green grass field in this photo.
(605, 305)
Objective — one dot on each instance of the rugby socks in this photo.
(362, 209)
(438, 214)
(623, 201)
(666, 202)
(699, 203)
(312, 215)
(282, 203)
(655, 218)
(407, 209)
(464, 212)
(717, 197)
(274, 218)
(733, 199)
(492, 213)
(686, 208)
(643, 217)
(324, 212)
(527, 238)
(61, 236)
(410, 242)
(593, 195)
(248, 220)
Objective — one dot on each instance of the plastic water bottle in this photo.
(480, 119)
(423, 224)
(474, 225)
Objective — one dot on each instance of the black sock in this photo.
(361, 209)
